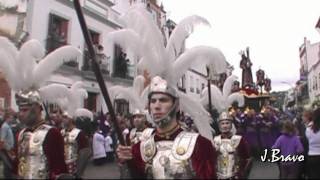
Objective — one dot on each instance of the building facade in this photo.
(310, 70)
(54, 23)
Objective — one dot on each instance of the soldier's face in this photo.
(138, 121)
(160, 105)
(28, 114)
(225, 126)
(66, 121)
(56, 117)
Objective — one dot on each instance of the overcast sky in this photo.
(273, 29)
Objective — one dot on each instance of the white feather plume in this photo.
(200, 116)
(236, 97)
(199, 54)
(127, 39)
(69, 99)
(163, 62)
(52, 92)
(139, 20)
(181, 32)
(8, 62)
(227, 86)
(22, 69)
(64, 104)
(53, 61)
(222, 100)
(30, 52)
(7, 67)
(128, 94)
(82, 112)
(217, 98)
(138, 84)
(9, 47)
(77, 85)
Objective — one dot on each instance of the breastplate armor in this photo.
(227, 164)
(32, 160)
(169, 159)
(70, 148)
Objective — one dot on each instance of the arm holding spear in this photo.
(125, 150)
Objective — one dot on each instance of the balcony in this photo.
(98, 10)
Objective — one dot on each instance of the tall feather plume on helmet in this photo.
(169, 61)
(69, 99)
(131, 94)
(28, 68)
(222, 100)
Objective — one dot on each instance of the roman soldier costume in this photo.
(176, 154)
(76, 145)
(39, 148)
(233, 153)
(136, 134)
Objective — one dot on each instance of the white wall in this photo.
(38, 27)
(193, 83)
(313, 64)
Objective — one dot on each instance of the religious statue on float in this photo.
(245, 65)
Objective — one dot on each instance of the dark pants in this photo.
(7, 165)
(110, 157)
(313, 164)
(289, 171)
(99, 161)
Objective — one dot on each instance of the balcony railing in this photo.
(104, 66)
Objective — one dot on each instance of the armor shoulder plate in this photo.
(183, 145)
(132, 133)
(74, 133)
(217, 141)
(21, 134)
(148, 149)
(235, 140)
(147, 133)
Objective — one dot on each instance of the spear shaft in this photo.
(97, 70)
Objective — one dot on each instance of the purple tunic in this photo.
(251, 131)
(288, 145)
(268, 131)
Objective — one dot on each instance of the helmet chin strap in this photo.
(167, 118)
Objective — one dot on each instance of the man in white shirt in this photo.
(108, 147)
(99, 153)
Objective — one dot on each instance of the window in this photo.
(197, 86)
(120, 63)
(91, 102)
(202, 86)
(86, 58)
(191, 84)
(121, 106)
(57, 32)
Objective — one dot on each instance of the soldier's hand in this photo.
(124, 153)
